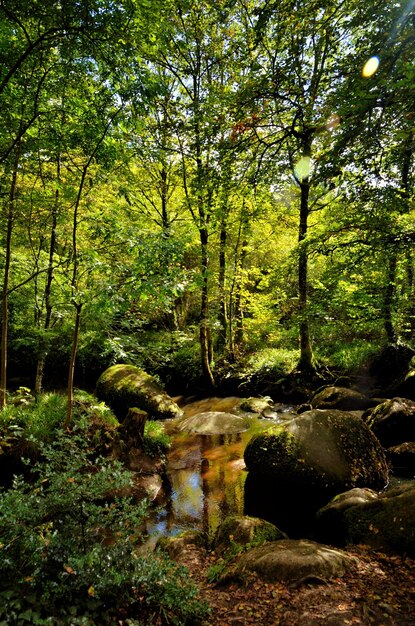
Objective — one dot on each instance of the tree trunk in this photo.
(204, 333)
(306, 362)
(389, 298)
(222, 315)
(48, 290)
(75, 341)
(5, 288)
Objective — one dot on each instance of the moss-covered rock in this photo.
(330, 526)
(385, 521)
(295, 468)
(291, 561)
(245, 530)
(328, 450)
(125, 386)
(341, 398)
(392, 421)
(402, 459)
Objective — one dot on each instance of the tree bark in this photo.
(306, 362)
(5, 288)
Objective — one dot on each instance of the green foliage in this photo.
(68, 547)
(156, 442)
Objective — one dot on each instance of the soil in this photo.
(379, 589)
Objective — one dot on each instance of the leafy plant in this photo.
(156, 442)
(68, 546)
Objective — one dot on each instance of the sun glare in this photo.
(370, 67)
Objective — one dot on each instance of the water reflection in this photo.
(205, 473)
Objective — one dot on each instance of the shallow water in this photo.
(205, 473)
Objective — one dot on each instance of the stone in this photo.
(341, 398)
(125, 386)
(330, 527)
(213, 423)
(291, 561)
(385, 522)
(296, 467)
(245, 530)
(392, 421)
(256, 405)
(402, 459)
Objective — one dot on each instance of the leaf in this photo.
(69, 569)
(91, 591)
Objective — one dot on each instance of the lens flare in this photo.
(370, 67)
(303, 168)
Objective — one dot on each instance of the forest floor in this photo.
(379, 589)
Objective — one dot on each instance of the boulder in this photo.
(405, 387)
(402, 459)
(291, 561)
(391, 364)
(213, 423)
(125, 386)
(256, 405)
(341, 398)
(385, 522)
(245, 530)
(298, 466)
(327, 450)
(330, 527)
(392, 421)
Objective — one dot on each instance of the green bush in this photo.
(68, 547)
(156, 442)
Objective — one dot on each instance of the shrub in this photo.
(156, 441)
(68, 547)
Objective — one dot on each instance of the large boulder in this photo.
(330, 526)
(213, 423)
(341, 398)
(291, 561)
(298, 466)
(386, 521)
(392, 421)
(125, 386)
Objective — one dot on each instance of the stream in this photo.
(205, 473)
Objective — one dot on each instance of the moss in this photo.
(126, 386)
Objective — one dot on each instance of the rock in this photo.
(243, 530)
(291, 561)
(213, 423)
(393, 421)
(341, 398)
(298, 466)
(328, 450)
(330, 527)
(391, 364)
(178, 545)
(405, 387)
(402, 459)
(125, 386)
(256, 405)
(386, 522)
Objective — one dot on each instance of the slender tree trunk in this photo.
(48, 290)
(306, 362)
(5, 288)
(75, 342)
(223, 314)
(389, 297)
(239, 311)
(204, 333)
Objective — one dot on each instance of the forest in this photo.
(199, 187)
(217, 192)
